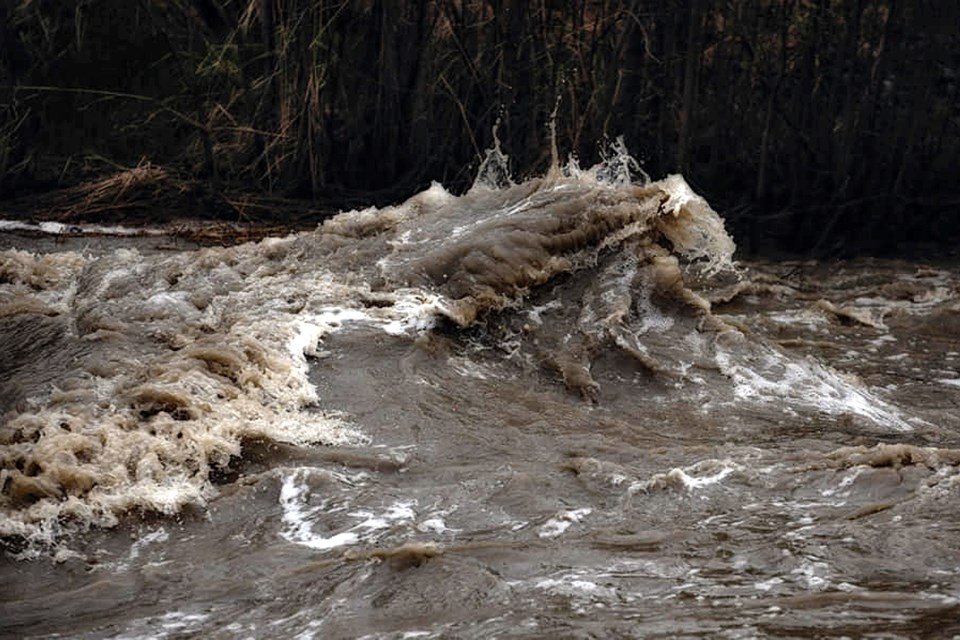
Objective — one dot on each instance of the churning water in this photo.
(552, 408)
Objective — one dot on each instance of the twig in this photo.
(463, 114)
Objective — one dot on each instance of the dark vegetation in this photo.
(811, 125)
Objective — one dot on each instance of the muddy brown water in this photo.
(547, 410)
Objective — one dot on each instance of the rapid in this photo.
(553, 407)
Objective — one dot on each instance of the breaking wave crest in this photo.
(131, 379)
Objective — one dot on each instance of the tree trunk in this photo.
(690, 71)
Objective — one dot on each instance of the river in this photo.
(556, 408)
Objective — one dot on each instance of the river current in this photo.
(556, 408)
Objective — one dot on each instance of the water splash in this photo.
(618, 167)
(494, 170)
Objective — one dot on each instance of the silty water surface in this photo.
(548, 408)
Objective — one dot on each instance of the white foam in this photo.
(693, 482)
(767, 585)
(771, 377)
(536, 313)
(569, 586)
(467, 368)
(690, 478)
(398, 512)
(178, 623)
(434, 525)
(58, 228)
(581, 589)
(651, 319)
(299, 516)
(679, 193)
(558, 524)
(335, 317)
(798, 317)
(435, 195)
(814, 574)
(413, 312)
(703, 235)
(253, 314)
(842, 488)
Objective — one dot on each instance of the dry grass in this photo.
(804, 119)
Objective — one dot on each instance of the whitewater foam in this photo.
(136, 377)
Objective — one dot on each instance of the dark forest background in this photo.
(818, 126)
